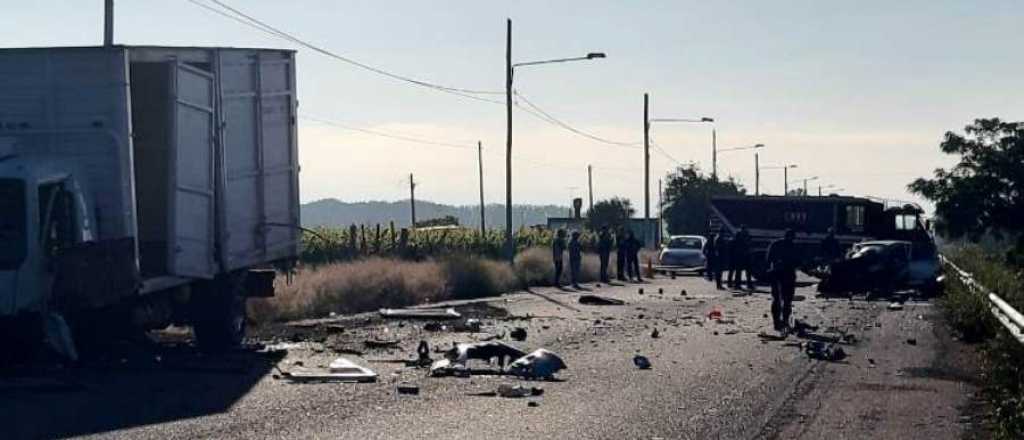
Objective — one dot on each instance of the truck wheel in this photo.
(218, 312)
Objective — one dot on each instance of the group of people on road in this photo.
(624, 243)
(722, 254)
(781, 261)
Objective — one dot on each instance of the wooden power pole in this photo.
(510, 249)
(647, 162)
(108, 23)
(590, 185)
(412, 200)
(480, 162)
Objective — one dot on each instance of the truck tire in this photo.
(218, 312)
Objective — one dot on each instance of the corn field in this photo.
(324, 245)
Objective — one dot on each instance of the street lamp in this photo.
(647, 149)
(715, 151)
(510, 248)
(829, 187)
(809, 179)
(785, 175)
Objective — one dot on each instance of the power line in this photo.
(534, 110)
(387, 135)
(664, 153)
(253, 22)
(545, 116)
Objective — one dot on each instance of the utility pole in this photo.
(805, 187)
(590, 185)
(510, 250)
(480, 161)
(785, 180)
(714, 155)
(661, 211)
(647, 161)
(757, 176)
(412, 200)
(108, 23)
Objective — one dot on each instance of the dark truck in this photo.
(854, 219)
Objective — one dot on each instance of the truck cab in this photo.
(45, 213)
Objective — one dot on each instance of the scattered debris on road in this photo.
(540, 364)
(518, 333)
(715, 313)
(516, 391)
(377, 343)
(340, 370)
(448, 313)
(895, 306)
(655, 334)
(912, 341)
(642, 362)
(408, 388)
(595, 300)
(825, 352)
(485, 351)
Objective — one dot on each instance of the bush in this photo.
(969, 313)
(355, 287)
(469, 277)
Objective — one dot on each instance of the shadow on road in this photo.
(127, 387)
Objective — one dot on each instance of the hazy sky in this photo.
(858, 93)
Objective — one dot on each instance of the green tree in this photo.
(613, 212)
(984, 193)
(686, 198)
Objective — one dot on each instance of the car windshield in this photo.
(12, 223)
(686, 243)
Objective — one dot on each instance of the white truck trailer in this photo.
(145, 185)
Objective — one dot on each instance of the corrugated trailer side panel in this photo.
(260, 164)
(69, 107)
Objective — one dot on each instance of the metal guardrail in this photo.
(1003, 312)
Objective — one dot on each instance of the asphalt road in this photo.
(710, 379)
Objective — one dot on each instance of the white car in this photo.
(682, 253)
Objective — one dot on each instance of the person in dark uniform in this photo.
(782, 263)
(740, 254)
(712, 266)
(633, 247)
(557, 253)
(709, 257)
(575, 258)
(722, 247)
(621, 250)
(831, 250)
(604, 250)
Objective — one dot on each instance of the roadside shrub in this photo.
(469, 277)
(355, 287)
(969, 313)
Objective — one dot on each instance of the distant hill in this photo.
(334, 212)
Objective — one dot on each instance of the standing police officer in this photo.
(782, 263)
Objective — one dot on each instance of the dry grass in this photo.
(354, 287)
(367, 285)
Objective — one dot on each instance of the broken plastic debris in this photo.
(518, 333)
(826, 352)
(340, 370)
(508, 390)
(642, 362)
(715, 313)
(448, 313)
(595, 300)
(895, 306)
(540, 364)
(408, 388)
